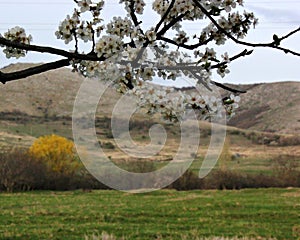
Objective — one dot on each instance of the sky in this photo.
(40, 18)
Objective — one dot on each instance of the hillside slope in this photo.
(48, 94)
(273, 107)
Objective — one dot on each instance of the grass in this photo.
(39, 129)
(252, 213)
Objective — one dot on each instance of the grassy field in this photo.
(265, 213)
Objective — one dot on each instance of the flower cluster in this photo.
(67, 28)
(84, 5)
(91, 69)
(16, 34)
(223, 70)
(135, 5)
(231, 104)
(159, 99)
(120, 27)
(181, 38)
(238, 24)
(109, 46)
(151, 35)
(180, 6)
(208, 55)
(85, 31)
(174, 105)
(72, 27)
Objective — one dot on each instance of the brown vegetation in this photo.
(22, 172)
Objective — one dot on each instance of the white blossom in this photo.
(120, 27)
(66, 29)
(235, 100)
(16, 34)
(85, 32)
(108, 46)
(151, 35)
(84, 5)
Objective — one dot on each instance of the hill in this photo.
(48, 94)
(270, 107)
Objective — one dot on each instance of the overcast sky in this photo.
(41, 18)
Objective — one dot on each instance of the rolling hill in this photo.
(270, 107)
(51, 93)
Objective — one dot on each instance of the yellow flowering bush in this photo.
(57, 152)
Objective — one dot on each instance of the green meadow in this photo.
(167, 214)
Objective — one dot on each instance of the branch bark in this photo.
(230, 89)
(132, 13)
(186, 46)
(171, 24)
(241, 54)
(50, 50)
(165, 16)
(6, 77)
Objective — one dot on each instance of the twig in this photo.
(200, 80)
(165, 15)
(241, 54)
(189, 47)
(132, 13)
(171, 24)
(222, 30)
(289, 34)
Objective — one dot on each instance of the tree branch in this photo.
(271, 44)
(189, 47)
(165, 16)
(192, 67)
(228, 88)
(6, 77)
(171, 24)
(200, 80)
(132, 13)
(289, 34)
(51, 50)
(241, 54)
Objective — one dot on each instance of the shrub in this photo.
(188, 181)
(289, 140)
(224, 179)
(285, 168)
(20, 171)
(57, 152)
